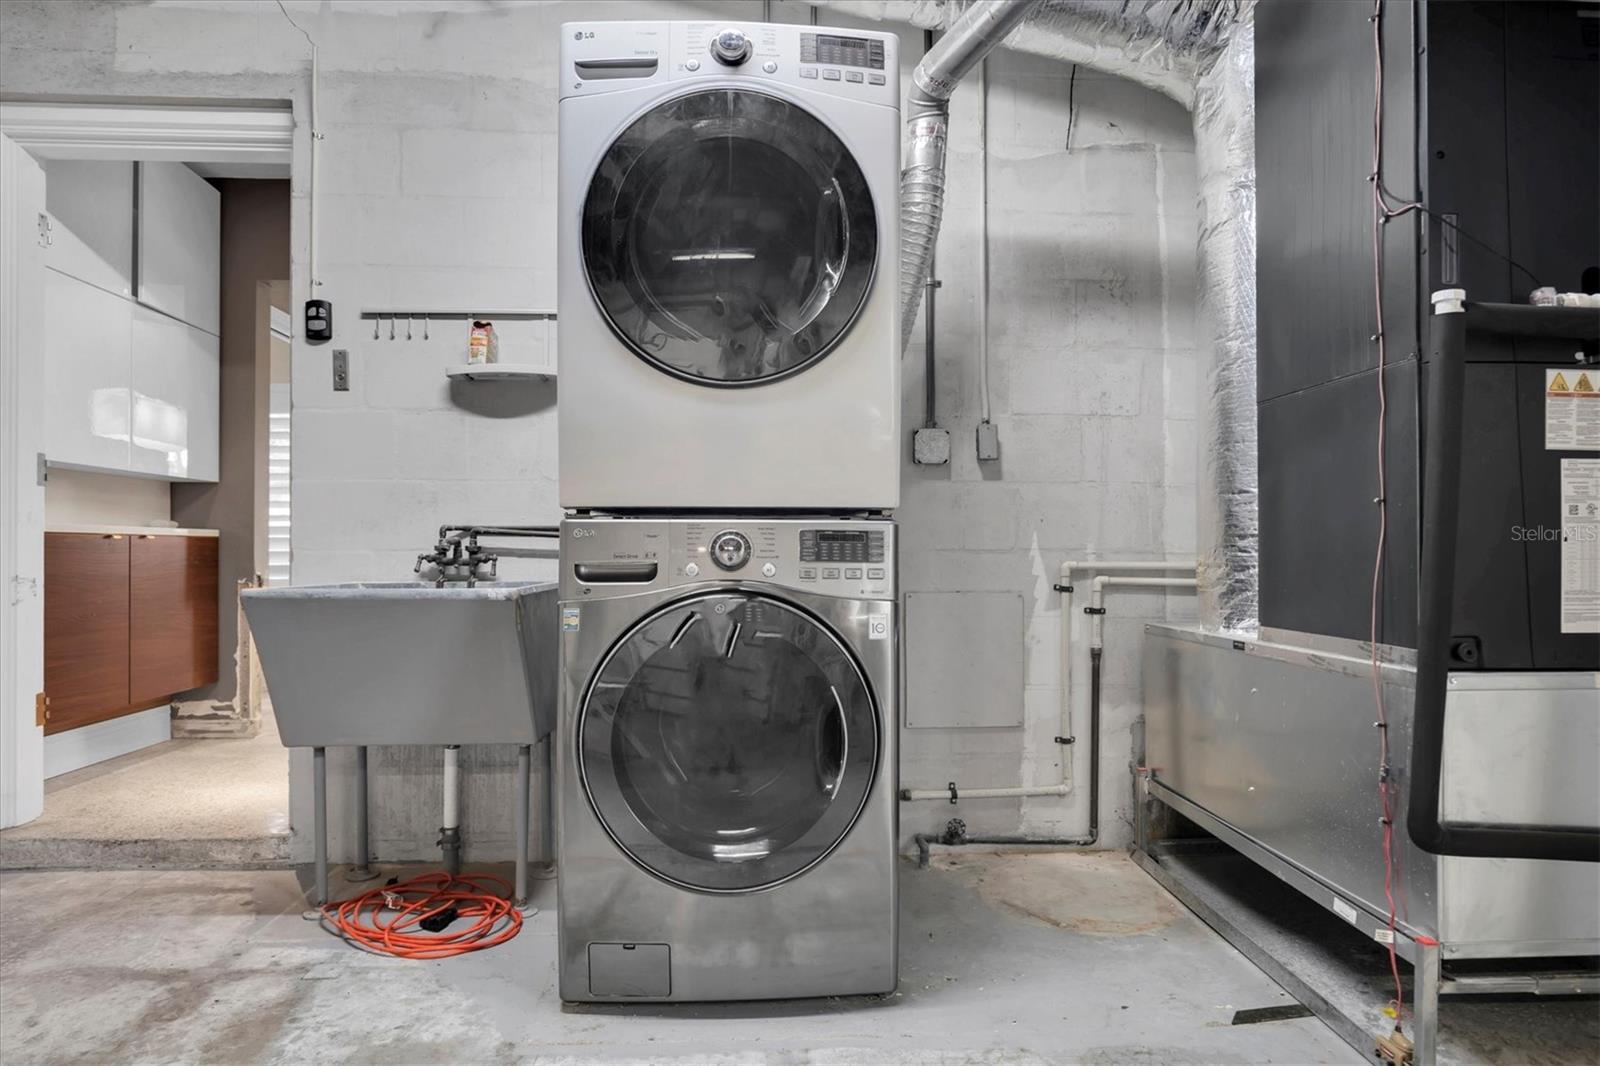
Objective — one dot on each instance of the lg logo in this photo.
(580, 533)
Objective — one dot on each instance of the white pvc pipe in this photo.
(1097, 598)
(1067, 568)
(452, 788)
(1099, 566)
(983, 237)
(986, 793)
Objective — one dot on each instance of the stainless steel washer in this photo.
(726, 762)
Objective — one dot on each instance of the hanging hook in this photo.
(376, 322)
(408, 327)
(424, 327)
(391, 327)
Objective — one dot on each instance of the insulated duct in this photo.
(1202, 54)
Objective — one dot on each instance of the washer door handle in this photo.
(615, 573)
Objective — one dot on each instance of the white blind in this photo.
(278, 510)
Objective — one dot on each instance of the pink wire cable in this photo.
(1381, 212)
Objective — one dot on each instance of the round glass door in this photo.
(729, 237)
(728, 742)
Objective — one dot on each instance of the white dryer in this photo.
(728, 267)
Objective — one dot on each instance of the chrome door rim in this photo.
(602, 790)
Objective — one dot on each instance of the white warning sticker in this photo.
(1580, 545)
(1344, 910)
(1383, 936)
(1572, 410)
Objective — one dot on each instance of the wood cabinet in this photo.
(130, 621)
(172, 611)
(85, 628)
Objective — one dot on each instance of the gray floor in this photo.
(211, 802)
(1005, 959)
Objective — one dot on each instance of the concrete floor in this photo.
(1005, 959)
(211, 802)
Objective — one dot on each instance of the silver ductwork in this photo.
(1202, 54)
(979, 29)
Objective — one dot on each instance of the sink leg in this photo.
(524, 786)
(362, 870)
(319, 780)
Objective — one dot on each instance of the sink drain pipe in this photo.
(955, 830)
(450, 831)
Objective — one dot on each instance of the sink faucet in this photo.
(459, 557)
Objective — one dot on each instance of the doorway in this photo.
(160, 266)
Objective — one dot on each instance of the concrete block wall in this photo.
(1092, 224)
(436, 187)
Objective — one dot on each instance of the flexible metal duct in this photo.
(963, 47)
(1202, 54)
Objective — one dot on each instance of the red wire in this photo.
(1381, 212)
(374, 922)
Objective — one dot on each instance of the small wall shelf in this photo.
(500, 372)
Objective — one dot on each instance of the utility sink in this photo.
(408, 663)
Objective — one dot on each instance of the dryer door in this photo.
(728, 741)
(729, 237)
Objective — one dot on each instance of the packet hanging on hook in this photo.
(483, 346)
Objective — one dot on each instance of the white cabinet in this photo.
(88, 368)
(90, 204)
(133, 387)
(174, 399)
(180, 244)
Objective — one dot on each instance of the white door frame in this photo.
(244, 137)
(21, 492)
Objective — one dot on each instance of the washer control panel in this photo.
(602, 57)
(604, 557)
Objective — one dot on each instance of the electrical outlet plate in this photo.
(930, 446)
(988, 442)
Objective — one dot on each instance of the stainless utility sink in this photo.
(408, 663)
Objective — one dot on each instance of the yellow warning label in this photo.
(1583, 384)
(1559, 383)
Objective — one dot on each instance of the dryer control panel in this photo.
(600, 57)
(603, 557)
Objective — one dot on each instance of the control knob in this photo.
(731, 47)
(730, 549)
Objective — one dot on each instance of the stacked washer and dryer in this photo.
(730, 457)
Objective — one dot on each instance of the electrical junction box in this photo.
(930, 446)
(988, 442)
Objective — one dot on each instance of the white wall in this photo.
(438, 180)
(79, 497)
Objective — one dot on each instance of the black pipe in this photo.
(955, 831)
(1441, 517)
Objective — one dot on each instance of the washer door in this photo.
(728, 741)
(729, 237)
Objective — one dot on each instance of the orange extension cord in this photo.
(387, 920)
